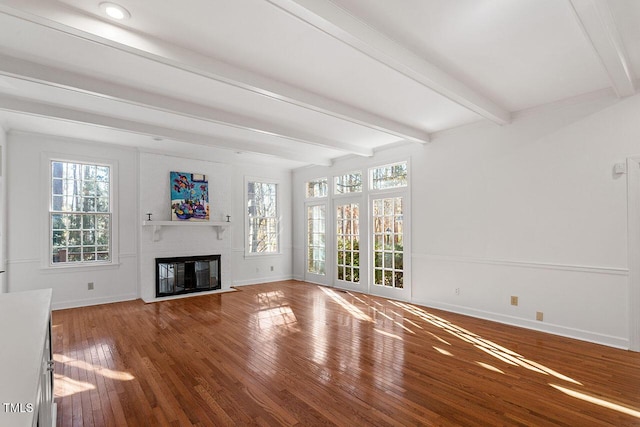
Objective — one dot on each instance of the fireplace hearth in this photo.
(182, 275)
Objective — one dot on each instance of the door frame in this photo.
(633, 242)
(363, 285)
(320, 279)
(404, 293)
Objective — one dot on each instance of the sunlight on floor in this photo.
(352, 309)
(598, 401)
(277, 316)
(65, 386)
(105, 372)
(388, 334)
(270, 299)
(442, 351)
(490, 367)
(489, 347)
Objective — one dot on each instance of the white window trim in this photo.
(46, 179)
(247, 180)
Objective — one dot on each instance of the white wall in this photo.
(27, 234)
(3, 217)
(531, 209)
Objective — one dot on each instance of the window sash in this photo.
(262, 218)
(80, 219)
(389, 176)
(348, 183)
(317, 188)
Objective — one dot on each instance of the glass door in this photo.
(390, 247)
(316, 265)
(349, 273)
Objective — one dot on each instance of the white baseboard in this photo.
(92, 301)
(258, 281)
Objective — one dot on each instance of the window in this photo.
(348, 183)
(80, 215)
(317, 188)
(262, 212)
(389, 176)
(316, 239)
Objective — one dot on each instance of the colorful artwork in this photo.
(189, 197)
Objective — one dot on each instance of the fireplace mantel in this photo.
(220, 226)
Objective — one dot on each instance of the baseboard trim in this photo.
(92, 301)
(261, 280)
(579, 334)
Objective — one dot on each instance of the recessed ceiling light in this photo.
(115, 11)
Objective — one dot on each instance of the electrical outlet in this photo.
(272, 268)
(90, 286)
(539, 316)
(514, 300)
(457, 291)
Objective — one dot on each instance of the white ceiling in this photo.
(304, 81)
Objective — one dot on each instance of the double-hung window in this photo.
(80, 216)
(262, 215)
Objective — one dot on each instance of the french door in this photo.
(316, 269)
(389, 246)
(350, 265)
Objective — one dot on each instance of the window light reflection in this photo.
(598, 401)
(65, 386)
(277, 316)
(442, 351)
(352, 309)
(389, 334)
(490, 367)
(105, 372)
(495, 350)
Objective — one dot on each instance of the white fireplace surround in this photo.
(163, 238)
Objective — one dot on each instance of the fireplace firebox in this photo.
(182, 275)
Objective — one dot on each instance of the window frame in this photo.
(306, 189)
(308, 244)
(363, 186)
(247, 217)
(370, 170)
(47, 263)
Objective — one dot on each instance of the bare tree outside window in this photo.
(80, 215)
(262, 212)
(389, 176)
(348, 183)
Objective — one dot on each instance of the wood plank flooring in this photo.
(291, 353)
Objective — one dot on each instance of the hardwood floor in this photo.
(292, 353)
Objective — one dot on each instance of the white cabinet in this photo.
(26, 360)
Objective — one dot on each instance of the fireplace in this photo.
(182, 275)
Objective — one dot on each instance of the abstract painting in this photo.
(189, 197)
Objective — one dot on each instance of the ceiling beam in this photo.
(40, 74)
(30, 107)
(339, 24)
(597, 22)
(164, 53)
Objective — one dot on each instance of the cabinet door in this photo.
(45, 404)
